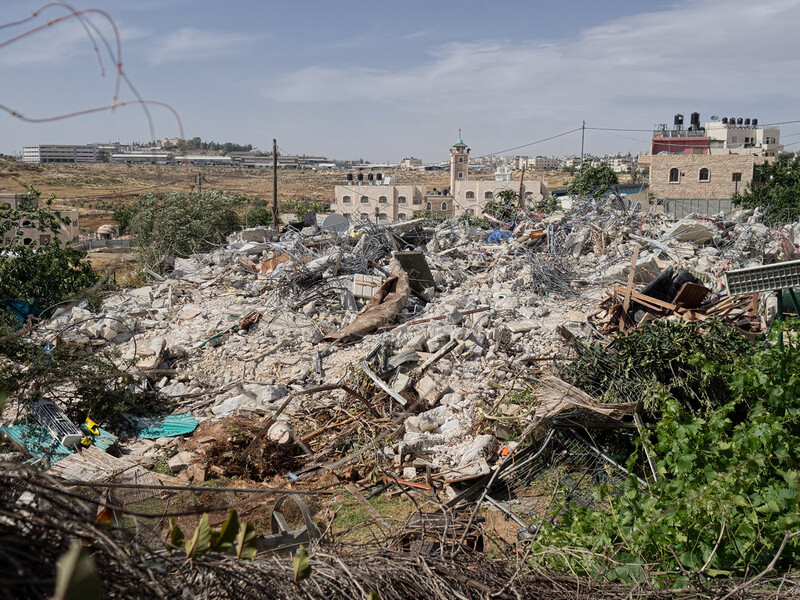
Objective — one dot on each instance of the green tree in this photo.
(182, 224)
(258, 216)
(34, 270)
(592, 181)
(776, 189)
(122, 217)
(504, 207)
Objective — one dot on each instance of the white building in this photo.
(743, 137)
(463, 196)
(54, 153)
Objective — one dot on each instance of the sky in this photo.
(382, 81)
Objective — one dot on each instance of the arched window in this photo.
(469, 212)
(382, 216)
(470, 195)
(488, 196)
(364, 200)
(364, 217)
(346, 199)
(27, 241)
(346, 215)
(401, 199)
(704, 174)
(401, 216)
(417, 201)
(383, 200)
(673, 175)
(444, 205)
(428, 206)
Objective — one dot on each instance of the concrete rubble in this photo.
(240, 331)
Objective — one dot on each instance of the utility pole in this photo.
(198, 182)
(583, 134)
(274, 183)
(520, 201)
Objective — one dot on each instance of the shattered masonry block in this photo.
(365, 286)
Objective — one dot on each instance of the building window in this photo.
(364, 217)
(444, 205)
(674, 175)
(417, 201)
(736, 177)
(401, 199)
(488, 196)
(469, 212)
(401, 216)
(364, 200)
(470, 195)
(461, 176)
(346, 215)
(703, 174)
(346, 200)
(428, 206)
(383, 200)
(461, 159)
(382, 216)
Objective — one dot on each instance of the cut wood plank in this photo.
(629, 289)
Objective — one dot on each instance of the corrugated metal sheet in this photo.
(36, 440)
(156, 427)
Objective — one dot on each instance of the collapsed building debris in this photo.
(410, 359)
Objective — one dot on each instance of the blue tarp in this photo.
(156, 427)
(38, 442)
(21, 309)
(498, 236)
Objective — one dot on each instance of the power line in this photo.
(547, 139)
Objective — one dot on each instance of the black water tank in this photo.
(369, 177)
(747, 121)
(724, 120)
(739, 121)
(732, 120)
(755, 122)
(379, 176)
(695, 119)
(360, 177)
(678, 119)
(349, 177)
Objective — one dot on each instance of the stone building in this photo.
(701, 175)
(384, 201)
(68, 232)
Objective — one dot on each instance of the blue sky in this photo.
(383, 80)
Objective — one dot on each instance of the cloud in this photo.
(189, 43)
(704, 51)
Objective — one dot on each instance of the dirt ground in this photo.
(99, 189)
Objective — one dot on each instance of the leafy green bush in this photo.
(46, 272)
(675, 358)
(592, 181)
(775, 188)
(182, 224)
(729, 487)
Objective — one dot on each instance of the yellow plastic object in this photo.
(92, 427)
(86, 441)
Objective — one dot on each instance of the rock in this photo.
(418, 442)
(483, 446)
(180, 461)
(409, 473)
(522, 326)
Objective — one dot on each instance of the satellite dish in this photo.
(335, 223)
(714, 118)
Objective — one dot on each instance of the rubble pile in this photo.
(233, 332)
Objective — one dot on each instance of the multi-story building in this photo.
(702, 176)
(387, 202)
(729, 135)
(68, 232)
(410, 163)
(53, 153)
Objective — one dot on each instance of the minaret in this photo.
(459, 163)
